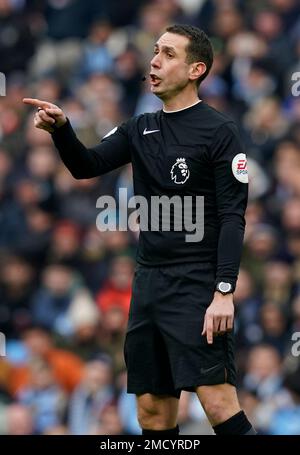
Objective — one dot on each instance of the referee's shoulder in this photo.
(218, 118)
(221, 125)
(138, 122)
(135, 119)
(146, 115)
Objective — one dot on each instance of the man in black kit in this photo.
(179, 334)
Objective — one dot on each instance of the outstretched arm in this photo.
(82, 162)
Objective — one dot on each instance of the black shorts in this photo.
(164, 349)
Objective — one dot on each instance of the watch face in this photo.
(224, 287)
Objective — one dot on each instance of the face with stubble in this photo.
(170, 71)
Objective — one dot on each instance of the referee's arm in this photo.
(231, 198)
(82, 162)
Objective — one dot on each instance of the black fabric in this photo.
(238, 424)
(164, 349)
(209, 145)
(161, 432)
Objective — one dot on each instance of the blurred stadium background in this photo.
(64, 286)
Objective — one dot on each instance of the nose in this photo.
(155, 62)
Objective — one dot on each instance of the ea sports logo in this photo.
(239, 167)
(180, 171)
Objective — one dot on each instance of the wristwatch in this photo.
(224, 288)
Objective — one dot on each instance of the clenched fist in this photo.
(47, 114)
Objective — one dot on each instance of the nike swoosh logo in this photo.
(149, 131)
(209, 370)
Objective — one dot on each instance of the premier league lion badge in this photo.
(180, 171)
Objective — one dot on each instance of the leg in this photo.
(147, 359)
(222, 408)
(219, 402)
(157, 412)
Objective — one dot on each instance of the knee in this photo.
(216, 410)
(150, 417)
(219, 406)
(156, 414)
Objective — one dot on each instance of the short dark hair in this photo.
(199, 48)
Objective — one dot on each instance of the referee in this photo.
(179, 334)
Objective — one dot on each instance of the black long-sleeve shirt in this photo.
(204, 144)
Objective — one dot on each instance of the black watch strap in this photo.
(224, 287)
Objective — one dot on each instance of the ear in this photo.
(196, 70)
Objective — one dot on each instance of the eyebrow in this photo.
(165, 48)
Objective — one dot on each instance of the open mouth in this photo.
(154, 80)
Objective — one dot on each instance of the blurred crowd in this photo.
(64, 285)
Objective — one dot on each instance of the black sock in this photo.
(161, 432)
(237, 424)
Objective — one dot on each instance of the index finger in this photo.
(209, 329)
(204, 326)
(38, 103)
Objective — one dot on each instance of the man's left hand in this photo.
(219, 316)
